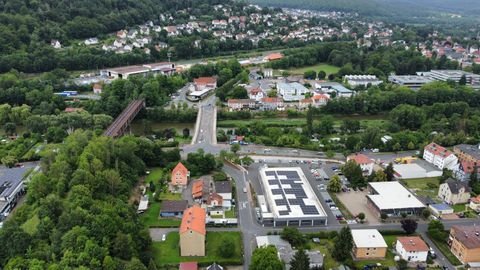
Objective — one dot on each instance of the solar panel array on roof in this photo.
(291, 184)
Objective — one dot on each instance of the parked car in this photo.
(164, 237)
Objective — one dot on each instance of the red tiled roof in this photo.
(468, 166)
(320, 96)
(274, 56)
(306, 100)
(438, 150)
(193, 219)
(271, 100)
(476, 200)
(205, 80)
(188, 266)
(215, 197)
(360, 158)
(413, 243)
(197, 189)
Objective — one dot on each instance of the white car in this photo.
(164, 237)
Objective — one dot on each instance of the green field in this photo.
(155, 175)
(168, 252)
(329, 69)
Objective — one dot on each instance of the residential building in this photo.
(256, 94)
(214, 266)
(412, 248)
(362, 80)
(197, 189)
(465, 243)
(285, 251)
(97, 89)
(468, 152)
(465, 169)
(188, 266)
(203, 83)
(305, 103)
(292, 91)
(392, 199)
(224, 189)
(368, 244)
(180, 176)
(440, 157)
(320, 100)
(414, 82)
(193, 232)
(273, 57)
(475, 204)
(366, 164)
(214, 200)
(271, 104)
(173, 208)
(241, 104)
(439, 209)
(454, 192)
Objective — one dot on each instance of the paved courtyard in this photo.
(356, 202)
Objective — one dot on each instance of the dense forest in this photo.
(404, 9)
(76, 214)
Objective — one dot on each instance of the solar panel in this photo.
(273, 182)
(269, 173)
(295, 201)
(277, 191)
(281, 202)
(309, 209)
(283, 213)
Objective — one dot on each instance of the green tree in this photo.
(272, 93)
(463, 80)
(353, 173)
(186, 132)
(383, 216)
(343, 245)
(310, 74)
(10, 128)
(135, 264)
(309, 121)
(226, 248)
(426, 213)
(247, 161)
(389, 172)
(361, 217)
(152, 265)
(334, 185)
(322, 75)
(235, 148)
(300, 261)
(293, 236)
(265, 258)
(402, 264)
(9, 161)
(409, 225)
(436, 230)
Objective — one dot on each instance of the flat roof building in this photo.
(392, 199)
(11, 187)
(368, 244)
(338, 89)
(362, 80)
(163, 68)
(290, 198)
(411, 81)
(455, 75)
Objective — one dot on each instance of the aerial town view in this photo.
(240, 135)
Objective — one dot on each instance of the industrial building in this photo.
(411, 81)
(289, 198)
(163, 68)
(392, 199)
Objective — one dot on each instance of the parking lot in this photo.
(356, 202)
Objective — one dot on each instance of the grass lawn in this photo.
(459, 208)
(443, 247)
(325, 247)
(329, 69)
(151, 218)
(230, 213)
(424, 186)
(155, 175)
(30, 226)
(168, 252)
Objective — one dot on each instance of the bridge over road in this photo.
(120, 125)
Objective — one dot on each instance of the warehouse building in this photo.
(392, 199)
(290, 199)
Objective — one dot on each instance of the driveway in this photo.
(356, 202)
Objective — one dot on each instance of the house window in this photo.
(368, 253)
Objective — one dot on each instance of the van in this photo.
(244, 190)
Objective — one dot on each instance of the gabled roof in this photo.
(274, 56)
(197, 188)
(188, 266)
(413, 243)
(174, 206)
(438, 150)
(455, 186)
(180, 168)
(214, 266)
(469, 236)
(215, 197)
(271, 100)
(223, 187)
(205, 80)
(360, 158)
(193, 220)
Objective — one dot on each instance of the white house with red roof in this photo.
(412, 248)
(256, 93)
(464, 169)
(440, 157)
(203, 83)
(366, 164)
(320, 100)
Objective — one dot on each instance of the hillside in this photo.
(383, 8)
